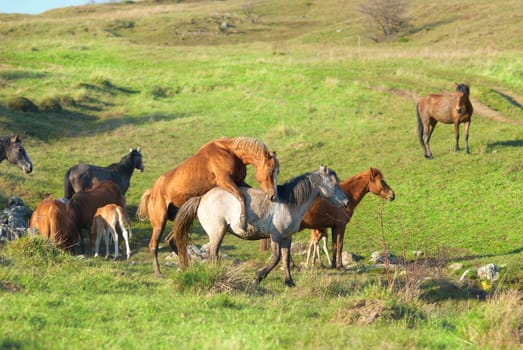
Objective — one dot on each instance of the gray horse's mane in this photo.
(250, 145)
(298, 189)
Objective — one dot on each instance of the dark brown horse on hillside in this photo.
(82, 207)
(82, 176)
(11, 149)
(221, 162)
(452, 108)
(50, 220)
(323, 215)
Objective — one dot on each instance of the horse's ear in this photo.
(138, 149)
(323, 168)
(130, 150)
(373, 172)
(15, 139)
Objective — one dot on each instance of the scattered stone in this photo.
(488, 272)
(378, 258)
(14, 219)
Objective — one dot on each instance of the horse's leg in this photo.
(325, 250)
(466, 126)
(316, 253)
(338, 233)
(215, 241)
(309, 249)
(99, 234)
(125, 235)
(158, 224)
(114, 234)
(276, 256)
(428, 129)
(286, 256)
(456, 134)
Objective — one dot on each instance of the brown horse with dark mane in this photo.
(454, 108)
(50, 220)
(323, 215)
(220, 162)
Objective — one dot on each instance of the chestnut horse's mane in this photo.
(250, 145)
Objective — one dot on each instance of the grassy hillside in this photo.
(303, 77)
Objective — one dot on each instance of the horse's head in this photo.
(378, 186)
(330, 188)
(16, 154)
(136, 158)
(462, 97)
(267, 175)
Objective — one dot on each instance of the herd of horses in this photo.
(210, 186)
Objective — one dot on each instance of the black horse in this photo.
(11, 149)
(82, 176)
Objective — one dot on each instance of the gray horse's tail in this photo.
(68, 187)
(182, 223)
(420, 124)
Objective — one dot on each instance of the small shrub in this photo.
(50, 105)
(160, 92)
(22, 104)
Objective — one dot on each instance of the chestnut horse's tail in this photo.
(420, 124)
(142, 213)
(182, 223)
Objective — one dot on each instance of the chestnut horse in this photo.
(220, 162)
(83, 205)
(50, 220)
(105, 221)
(452, 108)
(322, 215)
(11, 149)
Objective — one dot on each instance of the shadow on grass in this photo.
(69, 123)
(508, 143)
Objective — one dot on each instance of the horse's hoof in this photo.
(290, 283)
(428, 156)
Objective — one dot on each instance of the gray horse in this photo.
(219, 212)
(11, 149)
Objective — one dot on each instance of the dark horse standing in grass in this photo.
(11, 149)
(82, 176)
(452, 108)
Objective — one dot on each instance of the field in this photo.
(305, 79)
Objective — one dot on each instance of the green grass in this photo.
(309, 84)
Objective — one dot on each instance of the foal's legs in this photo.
(325, 250)
(113, 233)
